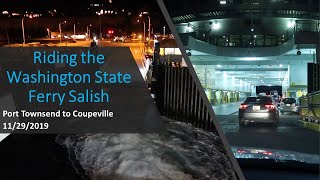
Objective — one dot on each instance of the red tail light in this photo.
(241, 151)
(270, 106)
(243, 106)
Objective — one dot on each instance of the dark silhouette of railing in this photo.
(178, 97)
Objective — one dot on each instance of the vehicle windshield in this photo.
(289, 101)
(258, 100)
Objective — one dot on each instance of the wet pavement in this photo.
(287, 136)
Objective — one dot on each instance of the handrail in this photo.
(196, 16)
(253, 40)
(309, 110)
(261, 6)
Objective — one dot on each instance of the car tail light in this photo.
(244, 106)
(270, 106)
(241, 151)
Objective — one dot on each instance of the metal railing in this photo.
(178, 97)
(310, 107)
(253, 39)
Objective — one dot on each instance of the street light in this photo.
(23, 35)
(100, 14)
(100, 27)
(61, 29)
(149, 29)
(48, 30)
(144, 30)
(88, 30)
(22, 26)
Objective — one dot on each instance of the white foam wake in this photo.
(180, 152)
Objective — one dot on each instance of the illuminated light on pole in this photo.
(100, 27)
(23, 35)
(88, 30)
(144, 29)
(60, 29)
(100, 14)
(22, 23)
(149, 28)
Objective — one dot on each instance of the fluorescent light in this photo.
(225, 75)
(223, 2)
(249, 58)
(216, 26)
(290, 24)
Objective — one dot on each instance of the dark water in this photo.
(32, 157)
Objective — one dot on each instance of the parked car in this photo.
(290, 105)
(119, 39)
(258, 109)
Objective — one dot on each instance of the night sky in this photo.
(75, 8)
(78, 10)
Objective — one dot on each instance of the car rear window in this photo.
(258, 99)
(289, 100)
